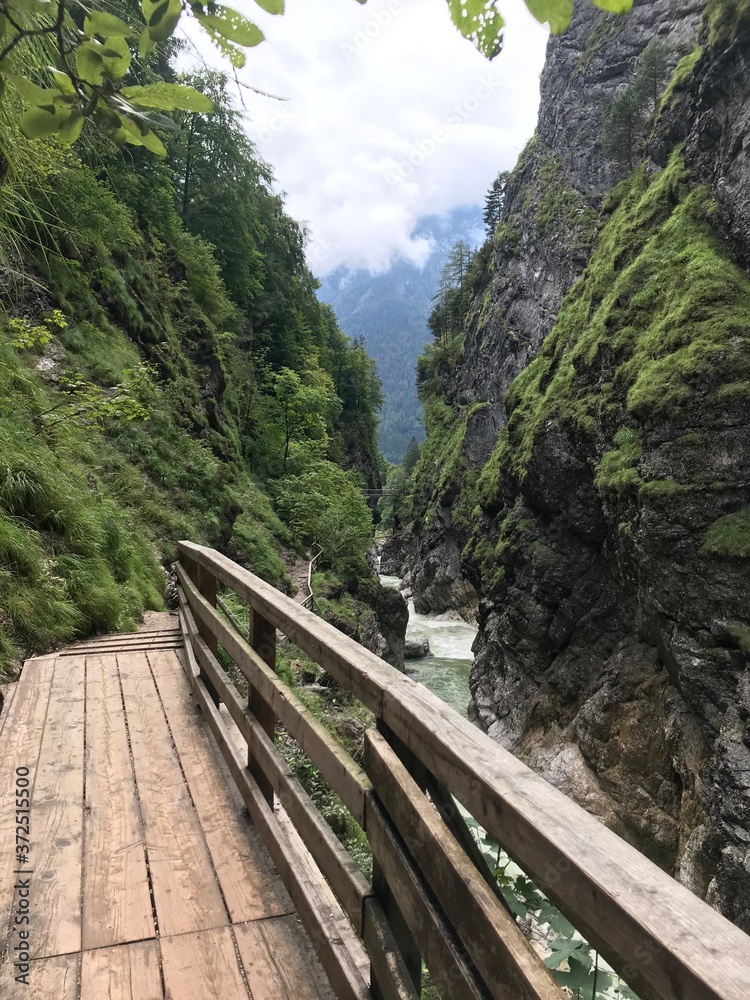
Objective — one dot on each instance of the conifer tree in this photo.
(494, 202)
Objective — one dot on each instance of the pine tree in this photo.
(623, 128)
(494, 202)
(651, 73)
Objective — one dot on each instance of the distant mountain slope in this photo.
(390, 311)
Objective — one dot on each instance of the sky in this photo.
(388, 115)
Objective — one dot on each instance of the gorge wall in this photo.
(587, 466)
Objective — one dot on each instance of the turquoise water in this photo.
(446, 671)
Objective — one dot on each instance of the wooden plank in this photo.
(125, 972)
(391, 979)
(263, 640)
(202, 966)
(320, 919)
(338, 768)
(452, 976)
(116, 897)
(57, 817)
(48, 978)
(278, 961)
(250, 891)
(22, 741)
(118, 647)
(337, 866)
(509, 966)
(663, 940)
(185, 890)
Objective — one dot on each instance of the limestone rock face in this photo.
(614, 624)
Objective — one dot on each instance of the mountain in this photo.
(587, 458)
(390, 310)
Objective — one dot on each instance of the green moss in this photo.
(561, 208)
(618, 468)
(742, 634)
(726, 19)
(660, 301)
(680, 79)
(729, 536)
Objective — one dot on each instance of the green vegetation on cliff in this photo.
(150, 309)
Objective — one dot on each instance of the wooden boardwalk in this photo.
(146, 878)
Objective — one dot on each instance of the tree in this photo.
(494, 202)
(84, 56)
(625, 123)
(303, 409)
(651, 74)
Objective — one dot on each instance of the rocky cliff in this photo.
(589, 457)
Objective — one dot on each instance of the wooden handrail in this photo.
(664, 941)
(309, 601)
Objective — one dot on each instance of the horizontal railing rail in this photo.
(309, 601)
(429, 899)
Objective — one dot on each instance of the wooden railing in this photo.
(430, 899)
(309, 601)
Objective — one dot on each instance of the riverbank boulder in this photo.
(416, 647)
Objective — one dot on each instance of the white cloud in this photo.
(390, 115)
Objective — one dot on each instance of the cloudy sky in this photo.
(389, 115)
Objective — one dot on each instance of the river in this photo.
(446, 670)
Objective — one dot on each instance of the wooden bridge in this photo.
(125, 765)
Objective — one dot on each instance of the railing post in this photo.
(263, 641)
(402, 934)
(205, 581)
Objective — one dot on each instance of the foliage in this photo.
(91, 51)
(494, 202)
(136, 381)
(574, 964)
(729, 536)
(325, 504)
(452, 299)
(626, 121)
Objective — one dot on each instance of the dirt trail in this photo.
(298, 574)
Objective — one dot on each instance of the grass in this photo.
(729, 537)
(661, 309)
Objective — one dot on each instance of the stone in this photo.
(416, 647)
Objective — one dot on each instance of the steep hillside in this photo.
(166, 372)
(389, 311)
(589, 465)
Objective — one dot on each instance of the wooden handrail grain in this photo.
(661, 938)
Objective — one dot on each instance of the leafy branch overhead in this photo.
(89, 54)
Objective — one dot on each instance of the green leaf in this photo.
(33, 94)
(34, 6)
(36, 122)
(116, 56)
(140, 136)
(232, 26)
(146, 44)
(99, 22)
(89, 63)
(72, 129)
(62, 81)
(481, 22)
(556, 13)
(615, 6)
(274, 6)
(168, 97)
(162, 18)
